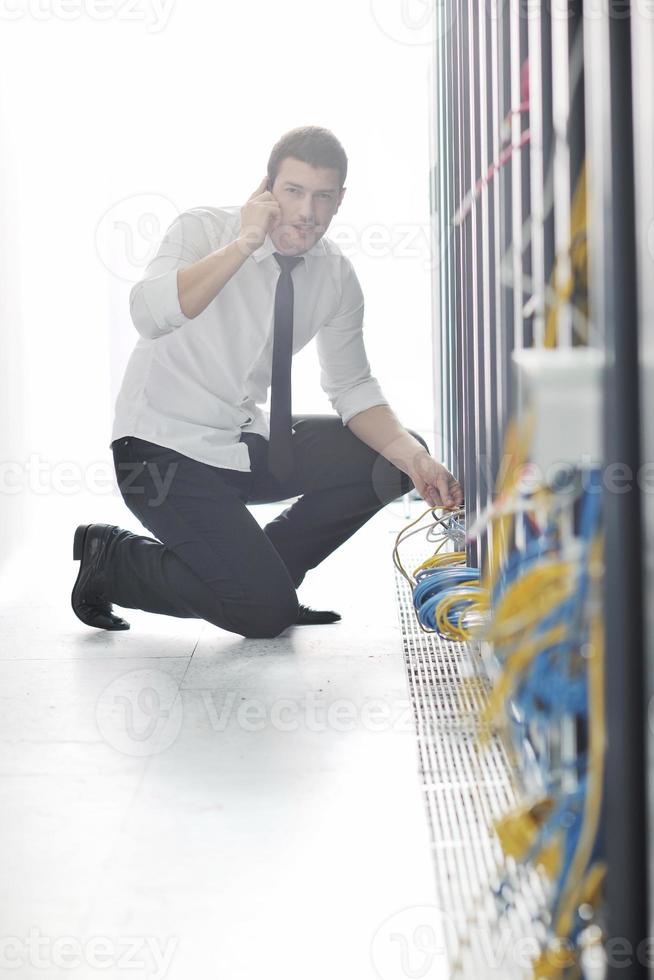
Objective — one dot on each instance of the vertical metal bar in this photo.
(508, 297)
(576, 143)
(445, 257)
(435, 96)
(495, 355)
(536, 171)
(446, 232)
(474, 278)
(562, 190)
(526, 213)
(449, 152)
(477, 49)
(469, 267)
(462, 270)
(460, 260)
(614, 310)
(516, 174)
(458, 254)
(545, 189)
(576, 137)
(642, 41)
(488, 359)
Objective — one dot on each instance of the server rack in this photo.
(542, 176)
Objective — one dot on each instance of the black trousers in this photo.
(211, 560)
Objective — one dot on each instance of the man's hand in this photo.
(434, 482)
(380, 428)
(260, 213)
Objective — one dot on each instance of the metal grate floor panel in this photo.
(468, 782)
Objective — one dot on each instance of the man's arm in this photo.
(200, 283)
(345, 375)
(185, 275)
(357, 397)
(381, 429)
(157, 303)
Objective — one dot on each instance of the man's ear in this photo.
(340, 198)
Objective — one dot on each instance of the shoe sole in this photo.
(79, 540)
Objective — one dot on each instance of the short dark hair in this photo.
(311, 144)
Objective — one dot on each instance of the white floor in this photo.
(178, 801)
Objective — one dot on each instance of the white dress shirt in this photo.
(193, 384)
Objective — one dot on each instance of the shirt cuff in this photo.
(358, 399)
(154, 305)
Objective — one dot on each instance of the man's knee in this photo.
(266, 619)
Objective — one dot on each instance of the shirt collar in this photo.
(309, 256)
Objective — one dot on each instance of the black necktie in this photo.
(279, 447)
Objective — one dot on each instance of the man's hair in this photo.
(311, 144)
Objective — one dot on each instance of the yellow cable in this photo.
(439, 521)
(595, 777)
(518, 829)
(516, 447)
(445, 626)
(578, 260)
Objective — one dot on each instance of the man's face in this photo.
(309, 197)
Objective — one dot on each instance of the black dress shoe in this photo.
(308, 616)
(89, 602)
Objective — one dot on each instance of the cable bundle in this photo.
(450, 597)
(447, 597)
(537, 604)
(546, 632)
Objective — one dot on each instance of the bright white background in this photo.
(113, 118)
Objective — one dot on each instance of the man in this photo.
(231, 294)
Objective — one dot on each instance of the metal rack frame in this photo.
(505, 172)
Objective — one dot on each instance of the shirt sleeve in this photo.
(345, 372)
(154, 300)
